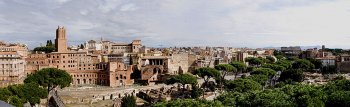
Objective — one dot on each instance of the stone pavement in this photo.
(88, 96)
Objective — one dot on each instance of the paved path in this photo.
(212, 97)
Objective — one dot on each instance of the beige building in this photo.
(156, 67)
(11, 69)
(107, 47)
(21, 49)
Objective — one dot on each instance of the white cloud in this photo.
(243, 23)
(62, 1)
(84, 12)
(128, 7)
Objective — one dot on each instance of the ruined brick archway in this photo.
(152, 72)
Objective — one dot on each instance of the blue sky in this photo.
(237, 23)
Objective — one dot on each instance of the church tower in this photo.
(61, 40)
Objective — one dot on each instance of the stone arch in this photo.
(155, 70)
(180, 70)
(84, 81)
(78, 81)
(52, 102)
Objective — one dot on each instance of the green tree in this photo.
(261, 79)
(183, 79)
(271, 98)
(254, 61)
(82, 46)
(264, 71)
(303, 64)
(234, 99)
(14, 100)
(285, 63)
(46, 49)
(33, 93)
(305, 95)
(19, 94)
(242, 85)
(317, 63)
(241, 67)
(49, 43)
(270, 59)
(50, 78)
(225, 68)
(196, 92)
(5, 94)
(280, 57)
(207, 73)
(337, 85)
(296, 75)
(188, 103)
(128, 101)
(331, 69)
(338, 99)
(275, 67)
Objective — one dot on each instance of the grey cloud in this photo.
(159, 22)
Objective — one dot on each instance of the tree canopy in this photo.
(128, 101)
(206, 73)
(263, 71)
(182, 79)
(241, 67)
(225, 68)
(317, 63)
(188, 103)
(261, 79)
(275, 67)
(303, 64)
(50, 78)
(285, 63)
(242, 85)
(270, 59)
(46, 49)
(255, 61)
(19, 94)
(296, 75)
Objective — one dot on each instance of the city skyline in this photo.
(238, 23)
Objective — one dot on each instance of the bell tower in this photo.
(61, 40)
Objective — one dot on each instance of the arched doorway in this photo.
(78, 81)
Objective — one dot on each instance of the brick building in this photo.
(84, 67)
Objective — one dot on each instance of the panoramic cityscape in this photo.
(126, 53)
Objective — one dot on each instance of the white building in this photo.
(11, 69)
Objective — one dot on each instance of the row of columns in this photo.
(90, 81)
(156, 62)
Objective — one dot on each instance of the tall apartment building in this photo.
(11, 68)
